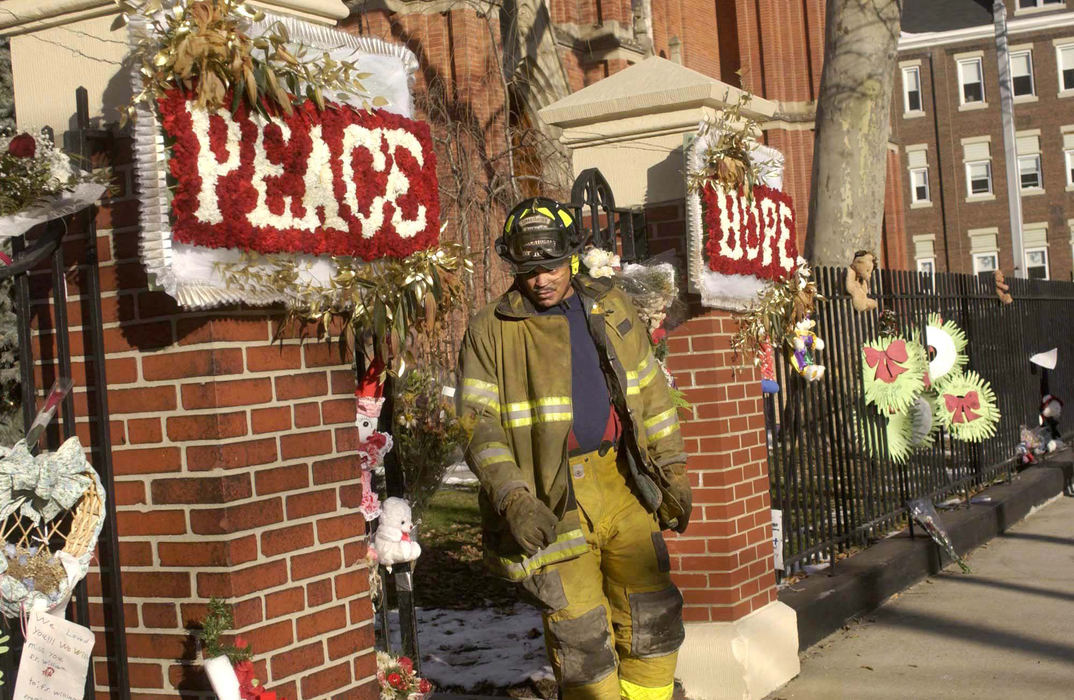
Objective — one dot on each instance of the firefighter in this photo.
(577, 448)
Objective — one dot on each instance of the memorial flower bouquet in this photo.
(35, 176)
(228, 665)
(398, 680)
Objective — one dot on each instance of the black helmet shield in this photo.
(537, 233)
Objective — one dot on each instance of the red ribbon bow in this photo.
(963, 406)
(886, 361)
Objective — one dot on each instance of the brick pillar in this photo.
(741, 642)
(235, 477)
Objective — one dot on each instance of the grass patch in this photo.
(450, 572)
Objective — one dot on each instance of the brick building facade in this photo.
(946, 125)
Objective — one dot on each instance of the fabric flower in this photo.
(424, 686)
(406, 664)
(396, 681)
(244, 671)
(22, 146)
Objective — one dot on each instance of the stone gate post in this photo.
(741, 642)
(235, 474)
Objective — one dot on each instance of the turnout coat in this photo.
(515, 378)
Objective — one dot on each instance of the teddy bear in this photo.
(1051, 408)
(392, 539)
(1002, 288)
(857, 282)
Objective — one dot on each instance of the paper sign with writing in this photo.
(54, 660)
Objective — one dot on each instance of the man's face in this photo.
(546, 288)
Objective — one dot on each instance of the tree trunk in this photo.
(846, 205)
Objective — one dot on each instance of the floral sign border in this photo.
(196, 275)
(722, 290)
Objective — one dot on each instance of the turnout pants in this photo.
(612, 616)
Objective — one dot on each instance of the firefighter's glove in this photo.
(532, 523)
(678, 487)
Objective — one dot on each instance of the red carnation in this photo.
(406, 663)
(244, 670)
(22, 146)
(659, 334)
(396, 681)
(424, 686)
(241, 643)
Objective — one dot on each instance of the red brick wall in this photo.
(235, 477)
(723, 563)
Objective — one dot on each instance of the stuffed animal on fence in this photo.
(857, 283)
(803, 346)
(392, 541)
(1002, 288)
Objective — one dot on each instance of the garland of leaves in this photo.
(772, 320)
(726, 162)
(200, 45)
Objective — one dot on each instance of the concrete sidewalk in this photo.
(1004, 631)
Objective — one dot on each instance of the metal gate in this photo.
(41, 250)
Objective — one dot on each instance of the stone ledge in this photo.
(866, 580)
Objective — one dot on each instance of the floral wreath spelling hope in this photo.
(918, 396)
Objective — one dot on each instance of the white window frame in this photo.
(1047, 263)
(970, 194)
(994, 255)
(1068, 161)
(1038, 6)
(1060, 45)
(1028, 97)
(929, 263)
(916, 70)
(975, 104)
(913, 186)
(1040, 173)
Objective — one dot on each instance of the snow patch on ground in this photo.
(470, 648)
(459, 475)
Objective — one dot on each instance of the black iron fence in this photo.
(830, 471)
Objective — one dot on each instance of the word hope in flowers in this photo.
(342, 181)
(750, 235)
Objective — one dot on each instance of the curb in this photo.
(861, 583)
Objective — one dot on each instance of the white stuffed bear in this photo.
(392, 541)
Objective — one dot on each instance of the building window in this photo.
(919, 185)
(911, 89)
(1031, 4)
(1022, 73)
(1070, 167)
(985, 263)
(979, 177)
(927, 265)
(971, 79)
(1037, 263)
(1029, 172)
(1065, 61)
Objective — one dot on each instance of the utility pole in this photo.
(1006, 109)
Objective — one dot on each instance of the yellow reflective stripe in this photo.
(494, 453)
(546, 410)
(659, 418)
(481, 393)
(663, 432)
(647, 371)
(633, 691)
(661, 425)
(567, 546)
(545, 211)
(565, 218)
(507, 226)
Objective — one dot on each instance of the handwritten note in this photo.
(54, 660)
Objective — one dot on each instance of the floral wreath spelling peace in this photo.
(278, 161)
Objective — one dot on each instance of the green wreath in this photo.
(967, 408)
(946, 343)
(911, 429)
(893, 370)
